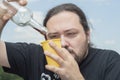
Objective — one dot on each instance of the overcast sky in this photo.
(103, 15)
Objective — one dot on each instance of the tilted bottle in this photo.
(23, 16)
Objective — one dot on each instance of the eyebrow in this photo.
(64, 31)
(70, 30)
(52, 33)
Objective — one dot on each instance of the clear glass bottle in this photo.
(22, 16)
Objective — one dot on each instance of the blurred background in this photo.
(103, 17)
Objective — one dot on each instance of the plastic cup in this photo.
(46, 47)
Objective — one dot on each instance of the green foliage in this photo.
(7, 76)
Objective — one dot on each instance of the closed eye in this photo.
(71, 34)
(53, 36)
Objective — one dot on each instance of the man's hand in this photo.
(6, 14)
(68, 69)
(21, 2)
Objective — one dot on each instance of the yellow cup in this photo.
(46, 47)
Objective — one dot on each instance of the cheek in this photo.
(78, 44)
(75, 43)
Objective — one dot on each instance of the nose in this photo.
(64, 42)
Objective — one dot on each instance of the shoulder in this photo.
(23, 48)
(105, 54)
(21, 45)
(103, 51)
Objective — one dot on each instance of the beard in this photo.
(81, 55)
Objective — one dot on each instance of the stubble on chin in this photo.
(79, 57)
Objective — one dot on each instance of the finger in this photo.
(57, 58)
(53, 69)
(57, 49)
(9, 9)
(67, 53)
(21, 2)
(6, 17)
(2, 12)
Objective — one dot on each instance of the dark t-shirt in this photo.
(101, 65)
(28, 61)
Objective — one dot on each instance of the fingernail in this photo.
(46, 52)
(51, 42)
(23, 2)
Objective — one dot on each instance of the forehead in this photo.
(64, 21)
(62, 16)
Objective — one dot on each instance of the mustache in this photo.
(69, 50)
(72, 52)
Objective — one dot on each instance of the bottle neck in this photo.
(38, 27)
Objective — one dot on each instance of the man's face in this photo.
(66, 26)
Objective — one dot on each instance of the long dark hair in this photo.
(68, 7)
